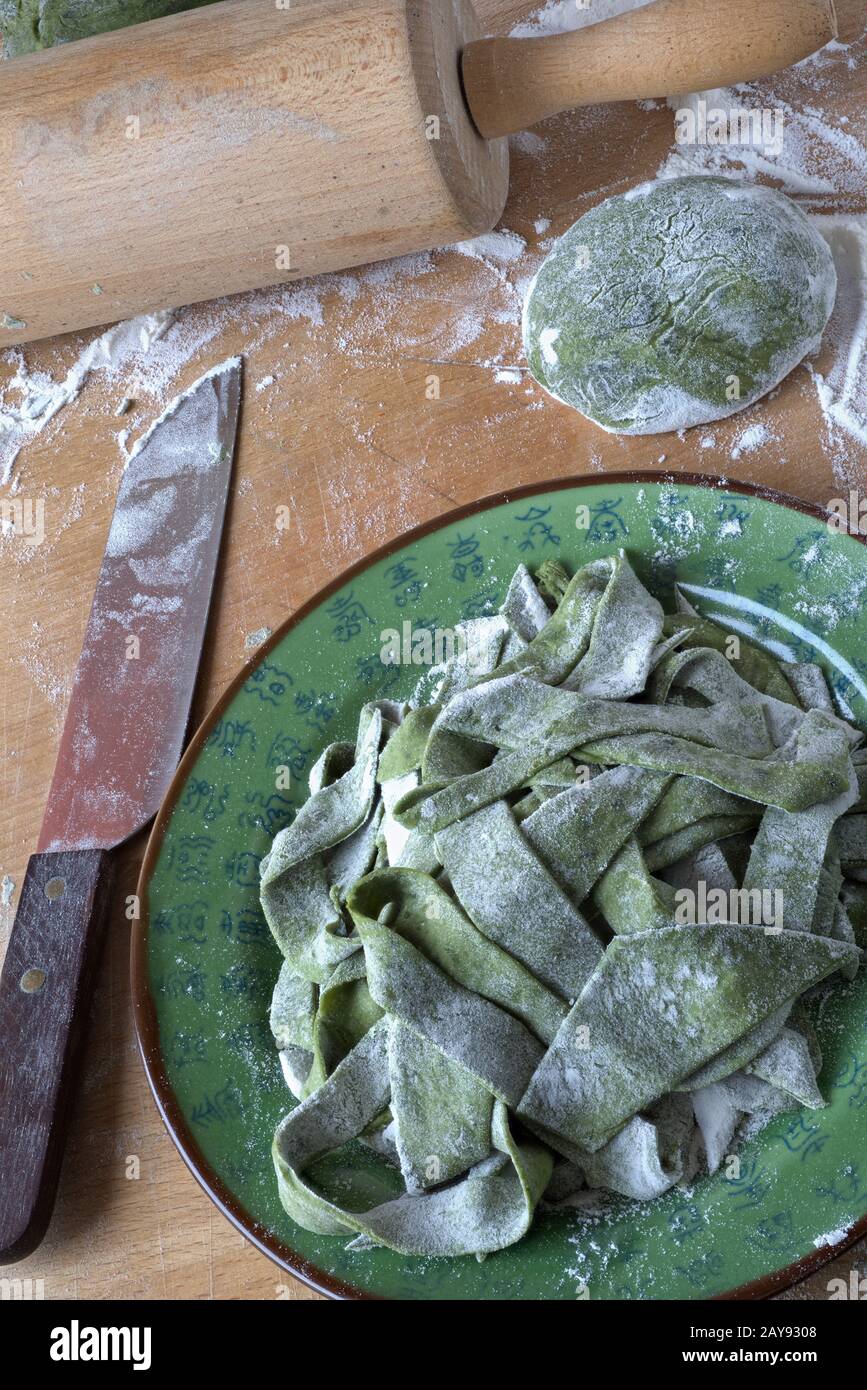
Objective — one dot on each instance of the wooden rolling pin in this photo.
(256, 141)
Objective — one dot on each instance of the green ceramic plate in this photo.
(204, 964)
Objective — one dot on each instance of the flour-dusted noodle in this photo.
(489, 977)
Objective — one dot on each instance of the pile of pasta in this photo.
(488, 979)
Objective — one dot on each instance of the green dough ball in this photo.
(678, 303)
(28, 25)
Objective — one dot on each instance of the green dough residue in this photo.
(678, 303)
(489, 978)
(29, 25)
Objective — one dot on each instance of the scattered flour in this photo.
(174, 405)
(815, 158)
(564, 16)
(493, 246)
(39, 398)
(528, 142)
(750, 439)
(831, 1238)
(7, 888)
(547, 339)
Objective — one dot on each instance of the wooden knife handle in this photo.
(45, 990)
(669, 46)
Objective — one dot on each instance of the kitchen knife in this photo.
(118, 752)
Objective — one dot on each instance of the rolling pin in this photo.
(258, 141)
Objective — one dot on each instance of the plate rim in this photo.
(144, 1007)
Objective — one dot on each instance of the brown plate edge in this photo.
(144, 1009)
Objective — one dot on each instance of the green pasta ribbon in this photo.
(548, 927)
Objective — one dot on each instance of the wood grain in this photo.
(230, 147)
(677, 46)
(45, 997)
(348, 439)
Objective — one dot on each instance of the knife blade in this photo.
(121, 741)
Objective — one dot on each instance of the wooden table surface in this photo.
(346, 437)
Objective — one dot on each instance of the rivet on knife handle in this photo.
(45, 990)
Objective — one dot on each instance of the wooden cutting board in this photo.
(346, 436)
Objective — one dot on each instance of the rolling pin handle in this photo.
(668, 46)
